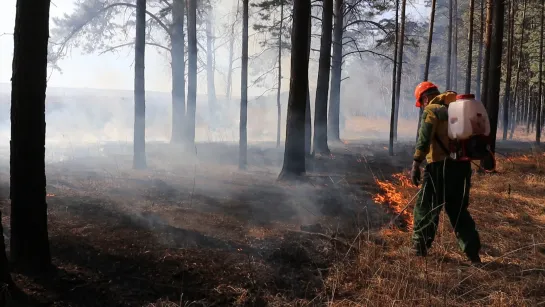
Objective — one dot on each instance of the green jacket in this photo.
(434, 123)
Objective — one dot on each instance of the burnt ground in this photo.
(194, 230)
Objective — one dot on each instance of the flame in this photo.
(50, 195)
(392, 196)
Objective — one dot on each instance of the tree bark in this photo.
(308, 120)
(540, 85)
(487, 51)
(192, 70)
(243, 143)
(428, 57)
(294, 153)
(517, 78)
(279, 87)
(400, 64)
(336, 69)
(139, 144)
(449, 48)
(231, 55)
(394, 77)
(178, 72)
(210, 71)
(507, 95)
(480, 57)
(29, 244)
(494, 78)
(455, 48)
(470, 47)
(322, 84)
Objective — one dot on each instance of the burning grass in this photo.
(510, 215)
(395, 195)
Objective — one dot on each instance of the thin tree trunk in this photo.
(480, 57)
(231, 55)
(139, 144)
(400, 63)
(428, 57)
(507, 95)
(487, 50)
(540, 85)
(243, 142)
(449, 48)
(336, 69)
(470, 47)
(29, 244)
(308, 120)
(178, 72)
(294, 153)
(455, 48)
(520, 58)
(192, 70)
(279, 87)
(394, 77)
(322, 84)
(210, 74)
(494, 78)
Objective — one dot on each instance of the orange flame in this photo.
(392, 196)
(50, 195)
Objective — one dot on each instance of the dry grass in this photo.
(509, 210)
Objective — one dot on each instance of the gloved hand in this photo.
(415, 173)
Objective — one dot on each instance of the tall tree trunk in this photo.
(470, 47)
(336, 69)
(279, 87)
(507, 95)
(455, 48)
(243, 143)
(428, 57)
(494, 78)
(322, 84)
(210, 71)
(139, 144)
(480, 57)
(294, 153)
(394, 77)
(308, 120)
(29, 243)
(178, 72)
(487, 51)
(449, 47)
(517, 78)
(229, 87)
(400, 64)
(192, 70)
(540, 85)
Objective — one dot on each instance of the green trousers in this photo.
(446, 184)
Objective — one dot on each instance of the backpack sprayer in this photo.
(469, 130)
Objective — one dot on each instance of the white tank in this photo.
(467, 117)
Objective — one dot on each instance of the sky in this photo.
(108, 71)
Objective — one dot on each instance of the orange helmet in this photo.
(421, 89)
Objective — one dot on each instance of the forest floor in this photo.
(193, 230)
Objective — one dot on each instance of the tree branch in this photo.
(132, 43)
(355, 22)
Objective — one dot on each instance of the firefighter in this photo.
(446, 181)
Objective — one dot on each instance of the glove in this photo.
(415, 173)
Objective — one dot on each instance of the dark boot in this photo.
(475, 259)
(420, 249)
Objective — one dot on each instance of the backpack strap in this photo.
(443, 147)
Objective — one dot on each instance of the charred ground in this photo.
(197, 230)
